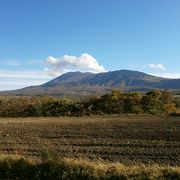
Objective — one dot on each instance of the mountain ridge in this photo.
(85, 83)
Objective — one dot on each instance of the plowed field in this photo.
(127, 139)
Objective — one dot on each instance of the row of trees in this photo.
(153, 102)
(116, 102)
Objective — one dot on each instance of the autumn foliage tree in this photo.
(158, 102)
(116, 102)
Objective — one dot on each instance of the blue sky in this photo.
(41, 39)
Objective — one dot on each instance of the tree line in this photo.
(116, 102)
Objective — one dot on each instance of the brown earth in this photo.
(127, 139)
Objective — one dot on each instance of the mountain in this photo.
(80, 84)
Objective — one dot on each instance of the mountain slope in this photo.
(77, 84)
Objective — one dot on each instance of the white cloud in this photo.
(39, 61)
(167, 75)
(85, 62)
(154, 69)
(10, 80)
(157, 66)
(10, 62)
(10, 84)
(24, 74)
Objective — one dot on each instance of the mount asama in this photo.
(81, 84)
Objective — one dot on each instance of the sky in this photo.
(42, 39)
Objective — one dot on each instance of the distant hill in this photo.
(80, 84)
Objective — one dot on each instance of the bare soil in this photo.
(127, 139)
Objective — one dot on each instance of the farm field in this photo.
(127, 139)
